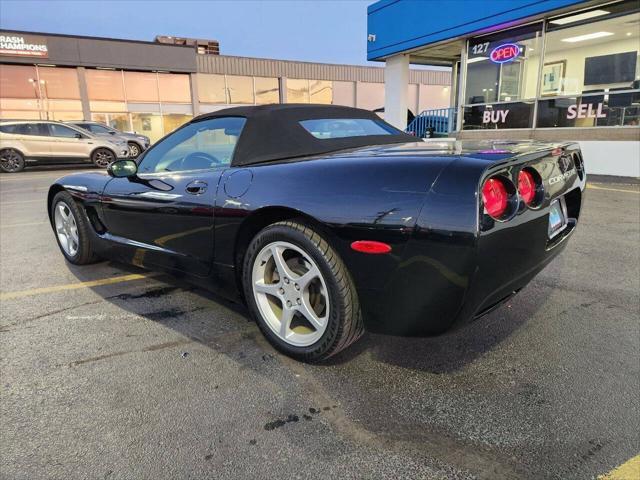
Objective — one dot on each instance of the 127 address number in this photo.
(480, 48)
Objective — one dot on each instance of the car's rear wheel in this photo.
(72, 230)
(103, 157)
(134, 150)
(300, 292)
(11, 160)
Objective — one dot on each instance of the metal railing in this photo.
(431, 123)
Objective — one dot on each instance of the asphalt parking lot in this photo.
(111, 372)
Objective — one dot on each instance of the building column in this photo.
(396, 87)
(282, 85)
(195, 99)
(84, 95)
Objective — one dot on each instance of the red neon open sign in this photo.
(505, 53)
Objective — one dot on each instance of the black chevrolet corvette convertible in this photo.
(328, 221)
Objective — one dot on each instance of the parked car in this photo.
(25, 142)
(137, 143)
(328, 221)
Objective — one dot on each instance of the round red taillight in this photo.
(526, 186)
(494, 197)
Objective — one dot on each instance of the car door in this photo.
(165, 212)
(34, 138)
(67, 142)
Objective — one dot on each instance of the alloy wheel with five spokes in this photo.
(290, 293)
(66, 229)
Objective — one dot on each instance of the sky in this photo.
(309, 30)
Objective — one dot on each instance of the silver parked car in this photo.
(25, 142)
(137, 143)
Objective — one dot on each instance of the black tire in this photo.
(134, 150)
(84, 254)
(11, 160)
(345, 324)
(103, 157)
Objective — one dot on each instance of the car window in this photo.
(62, 131)
(196, 146)
(8, 128)
(92, 127)
(39, 129)
(347, 127)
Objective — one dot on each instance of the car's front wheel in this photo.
(300, 292)
(134, 150)
(72, 230)
(103, 157)
(11, 160)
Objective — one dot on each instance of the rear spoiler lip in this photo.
(517, 158)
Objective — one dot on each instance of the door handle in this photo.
(196, 187)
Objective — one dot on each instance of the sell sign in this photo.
(586, 110)
(23, 46)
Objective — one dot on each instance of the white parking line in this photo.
(23, 190)
(17, 225)
(613, 189)
(16, 177)
(41, 200)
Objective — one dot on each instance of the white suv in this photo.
(46, 142)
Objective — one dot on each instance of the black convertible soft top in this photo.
(273, 132)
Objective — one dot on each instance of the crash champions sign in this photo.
(23, 46)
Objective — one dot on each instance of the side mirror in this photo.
(79, 136)
(112, 133)
(122, 168)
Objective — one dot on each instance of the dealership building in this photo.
(553, 70)
(154, 87)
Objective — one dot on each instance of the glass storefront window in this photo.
(240, 89)
(174, 88)
(18, 82)
(499, 115)
(105, 85)
(297, 90)
(591, 72)
(149, 124)
(595, 57)
(172, 121)
(612, 110)
(267, 90)
(58, 82)
(503, 67)
(141, 87)
(321, 91)
(99, 117)
(587, 76)
(211, 88)
(119, 122)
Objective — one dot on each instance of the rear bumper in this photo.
(446, 281)
(481, 302)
